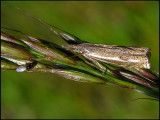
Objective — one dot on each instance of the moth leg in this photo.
(91, 64)
(136, 61)
(75, 55)
(100, 66)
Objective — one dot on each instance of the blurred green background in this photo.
(37, 95)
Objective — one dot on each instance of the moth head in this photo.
(73, 48)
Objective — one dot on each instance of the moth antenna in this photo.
(70, 39)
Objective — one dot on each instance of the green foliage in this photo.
(120, 23)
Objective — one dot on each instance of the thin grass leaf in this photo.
(8, 65)
(16, 53)
(10, 38)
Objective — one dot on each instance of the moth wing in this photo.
(98, 45)
(137, 50)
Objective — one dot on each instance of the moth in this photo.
(130, 57)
